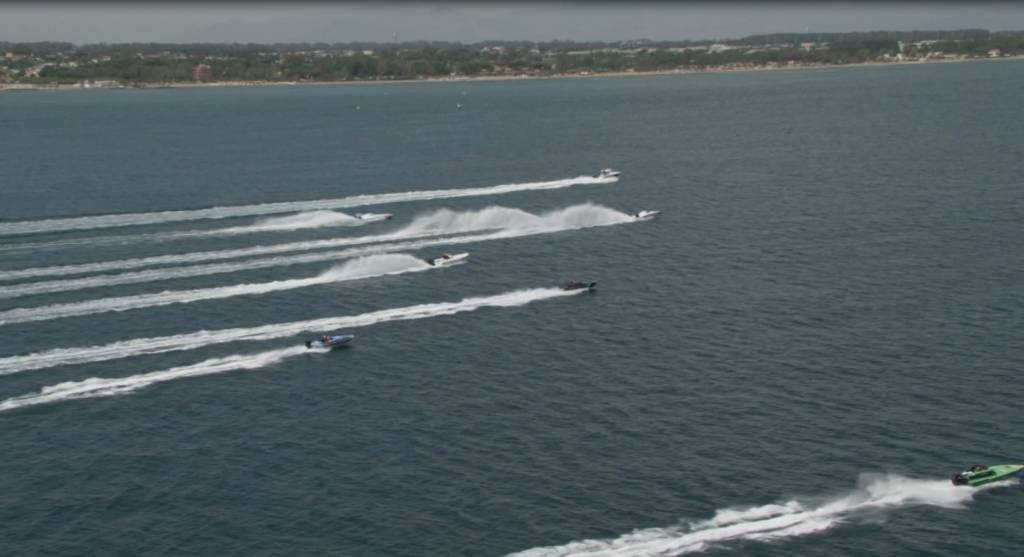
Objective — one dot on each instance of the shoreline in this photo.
(465, 79)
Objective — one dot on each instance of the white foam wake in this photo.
(442, 222)
(167, 273)
(770, 522)
(135, 219)
(571, 218)
(198, 339)
(365, 267)
(300, 221)
(97, 386)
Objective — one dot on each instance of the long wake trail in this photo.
(366, 267)
(301, 221)
(168, 273)
(136, 219)
(441, 222)
(523, 224)
(97, 386)
(766, 523)
(198, 339)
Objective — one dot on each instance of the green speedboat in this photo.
(980, 475)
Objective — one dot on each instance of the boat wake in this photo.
(874, 492)
(365, 267)
(441, 222)
(300, 221)
(570, 218)
(98, 387)
(198, 339)
(137, 219)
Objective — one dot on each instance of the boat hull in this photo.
(994, 473)
(334, 342)
(441, 261)
(373, 217)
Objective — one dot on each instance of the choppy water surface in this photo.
(821, 326)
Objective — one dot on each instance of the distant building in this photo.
(98, 84)
(202, 72)
(995, 53)
(34, 70)
(678, 49)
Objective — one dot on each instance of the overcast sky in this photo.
(268, 22)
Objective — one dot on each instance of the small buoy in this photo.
(458, 105)
(357, 107)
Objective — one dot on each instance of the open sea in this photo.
(822, 324)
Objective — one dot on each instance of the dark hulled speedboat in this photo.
(579, 285)
(328, 341)
(981, 475)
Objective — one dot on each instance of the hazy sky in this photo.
(266, 22)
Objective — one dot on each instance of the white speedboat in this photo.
(608, 173)
(646, 215)
(372, 217)
(448, 259)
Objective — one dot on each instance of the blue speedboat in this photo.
(328, 341)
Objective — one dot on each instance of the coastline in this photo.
(464, 79)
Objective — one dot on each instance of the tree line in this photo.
(63, 62)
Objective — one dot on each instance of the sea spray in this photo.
(199, 256)
(136, 219)
(167, 273)
(199, 339)
(365, 267)
(447, 221)
(442, 222)
(874, 492)
(300, 221)
(571, 218)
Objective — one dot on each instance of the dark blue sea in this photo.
(823, 323)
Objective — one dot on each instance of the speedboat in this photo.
(608, 173)
(646, 215)
(579, 285)
(372, 217)
(448, 259)
(328, 341)
(980, 475)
